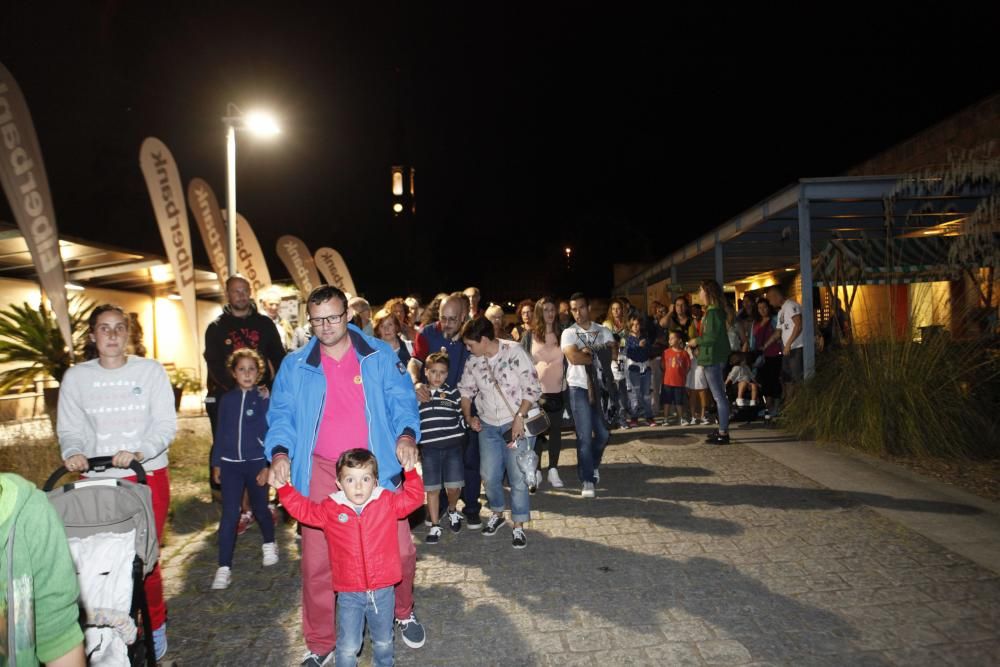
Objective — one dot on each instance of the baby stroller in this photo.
(112, 536)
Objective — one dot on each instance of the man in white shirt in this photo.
(790, 330)
(580, 343)
(271, 302)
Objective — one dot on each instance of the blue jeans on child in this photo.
(495, 458)
(640, 386)
(591, 433)
(353, 609)
(235, 478)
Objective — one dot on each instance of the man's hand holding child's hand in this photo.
(263, 477)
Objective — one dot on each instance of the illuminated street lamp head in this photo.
(261, 123)
(569, 251)
(397, 208)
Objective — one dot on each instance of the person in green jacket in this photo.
(39, 616)
(713, 351)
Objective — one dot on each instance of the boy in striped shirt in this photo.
(442, 436)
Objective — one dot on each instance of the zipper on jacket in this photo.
(239, 428)
(364, 393)
(361, 542)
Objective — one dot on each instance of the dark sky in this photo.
(621, 133)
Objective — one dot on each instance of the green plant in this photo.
(30, 338)
(935, 398)
(185, 379)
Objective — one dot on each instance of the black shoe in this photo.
(455, 520)
(719, 439)
(433, 535)
(493, 524)
(710, 438)
(519, 540)
(473, 521)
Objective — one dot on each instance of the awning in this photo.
(91, 264)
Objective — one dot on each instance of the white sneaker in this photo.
(270, 554)
(685, 422)
(740, 402)
(222, 578)
(588, 490)
(554, 479)
(706, 421)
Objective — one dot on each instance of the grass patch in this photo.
(34, 460)
(935, 399)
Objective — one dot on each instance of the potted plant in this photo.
(183, 379)
(30, 338)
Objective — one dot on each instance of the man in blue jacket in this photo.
(343, 390)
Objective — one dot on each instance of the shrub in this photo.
(936, 398)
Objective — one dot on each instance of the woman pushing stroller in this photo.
(121, 406)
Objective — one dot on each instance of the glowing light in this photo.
(161, 274)
(174, 296)
(262, 124)
(75, 287)
(397, 181)
(397, 207)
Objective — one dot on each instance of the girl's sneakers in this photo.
(554, 479)
(222, 578)
(270, 554)
(433, 535)
(246, 518)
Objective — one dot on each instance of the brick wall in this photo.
(970, 128)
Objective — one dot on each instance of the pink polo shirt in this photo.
(343, 425)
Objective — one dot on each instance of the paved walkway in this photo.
(691, 555)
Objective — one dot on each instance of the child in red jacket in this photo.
(360, 520)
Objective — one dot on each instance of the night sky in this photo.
(623, 134)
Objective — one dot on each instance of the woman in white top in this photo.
(501, 377)
(550, 366)
(121, 406)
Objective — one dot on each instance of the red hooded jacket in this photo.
(364, 548)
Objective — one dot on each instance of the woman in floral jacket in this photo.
(501, 378)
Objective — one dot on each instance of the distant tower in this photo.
(404, 196)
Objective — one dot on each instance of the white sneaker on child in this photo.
(270, 554)
(222, 577)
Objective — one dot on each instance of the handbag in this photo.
(537, 421)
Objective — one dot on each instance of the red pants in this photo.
(318, 600)
(159, 485)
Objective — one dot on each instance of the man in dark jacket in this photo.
(239, 326)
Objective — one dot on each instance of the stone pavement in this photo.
(690, 555)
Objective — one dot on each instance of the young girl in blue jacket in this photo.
(238, 460)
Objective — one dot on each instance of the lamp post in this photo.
(259, 123)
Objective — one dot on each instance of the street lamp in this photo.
(259, 123)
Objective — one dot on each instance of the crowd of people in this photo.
(337, 414)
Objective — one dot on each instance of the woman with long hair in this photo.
(525, 316)
(617, 324)
(768, 371)
(713, 352)
(681, 320)
(550, 366)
